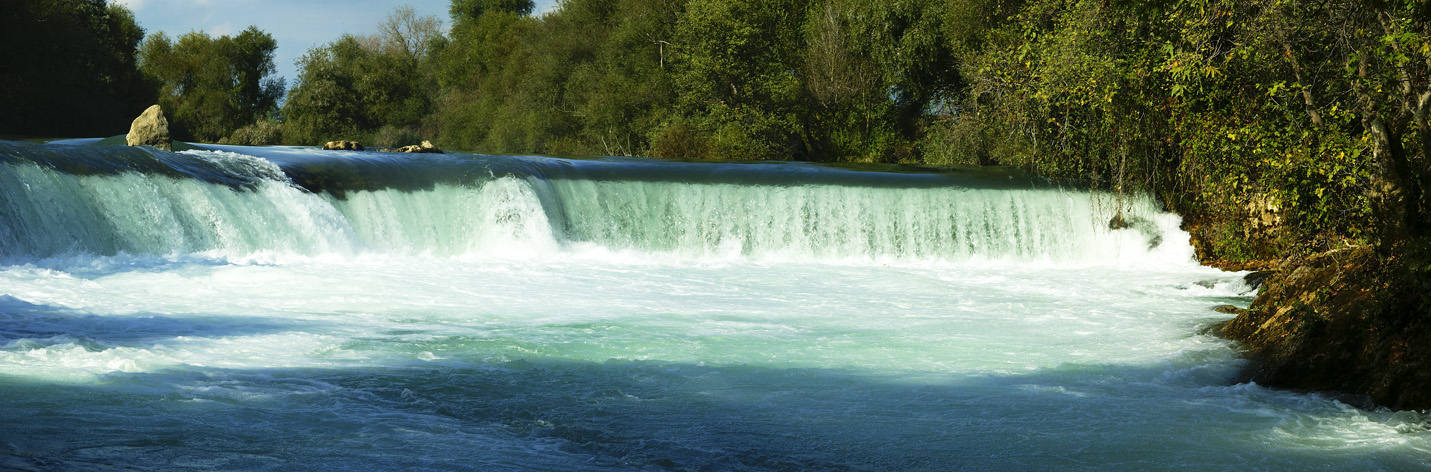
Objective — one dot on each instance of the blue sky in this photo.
(297, 25)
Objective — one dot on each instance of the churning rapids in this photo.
(289, 308)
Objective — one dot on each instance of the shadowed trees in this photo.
(69, 68)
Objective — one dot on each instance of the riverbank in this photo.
(1349, 321)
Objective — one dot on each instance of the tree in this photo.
(486, 85)
(406, 32)
(1281, 123)
(469, 11)
(256, 91)
(378, 87)
(69, 68)
(873, 71)
(212, 86)
(736, 76)
(325, 103)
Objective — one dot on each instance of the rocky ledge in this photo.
(342, 146)
(425, 148)
(1353, 321)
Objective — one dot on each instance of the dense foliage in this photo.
(69, 68)
(1305, 114)
(380, 86)
(793, 79)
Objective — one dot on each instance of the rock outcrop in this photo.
(150, 129)
(1350, 321)
(426, 147)
(1118, 222)
(342, 146)
(1263, 217)
(1220, 243)
(1142, 225)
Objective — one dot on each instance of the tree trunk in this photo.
(1394, 195)
(1307, 100)
(1393, 188)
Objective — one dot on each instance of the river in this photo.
(289, 308)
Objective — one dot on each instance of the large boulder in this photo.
(342, 146)
(150, 129)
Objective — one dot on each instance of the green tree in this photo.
(487, 84)
(212, 86)
(324, 104)
(736, 78)
(731, 79)
(360, 87)
(619, 89)
(1307, 114)
(469, 11)
(875, 74)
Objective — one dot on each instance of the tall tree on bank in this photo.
(211, 86)
(875, 74)
(486, 62)
(736, 78)
(69, 68)
(376, 88)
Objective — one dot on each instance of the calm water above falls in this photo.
(282, 308)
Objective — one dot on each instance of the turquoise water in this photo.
(208, 310)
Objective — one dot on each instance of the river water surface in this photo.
(287, 308)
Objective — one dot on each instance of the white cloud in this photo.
(225, 29)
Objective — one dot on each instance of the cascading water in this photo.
(237, 204)
(266, 308)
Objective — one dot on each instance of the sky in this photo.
(297, 25)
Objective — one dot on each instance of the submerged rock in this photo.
(150, 129)
(425, 148)
(1142, 225)
(1228, 309)
(1256, 279)
(342, 146)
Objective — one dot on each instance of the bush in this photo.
(260, 133)
(395, 136)
(678, 141)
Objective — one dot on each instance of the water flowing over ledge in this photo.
(105, 200)
(278, 308)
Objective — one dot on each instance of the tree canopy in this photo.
(1308, 113)
(69, 68)
(212, 86)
